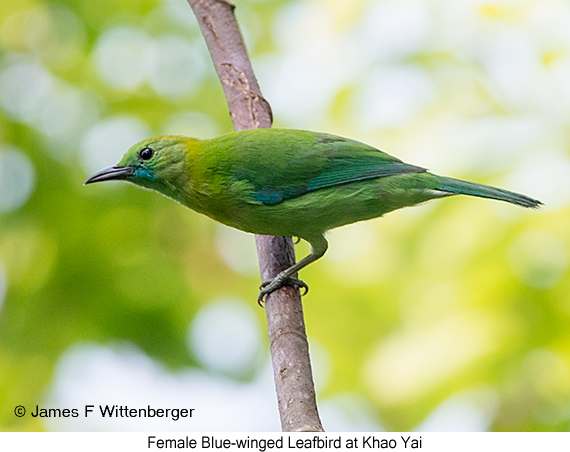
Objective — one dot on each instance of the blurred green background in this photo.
(450, 316)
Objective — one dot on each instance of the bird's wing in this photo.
(308, 161)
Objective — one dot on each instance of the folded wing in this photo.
(323, 161)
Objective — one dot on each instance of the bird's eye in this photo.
(146, 153)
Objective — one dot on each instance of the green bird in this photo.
(287, 183)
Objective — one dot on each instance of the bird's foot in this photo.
(279, 281)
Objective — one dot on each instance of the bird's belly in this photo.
(316, 212)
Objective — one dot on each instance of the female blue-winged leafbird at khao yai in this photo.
(286, 183)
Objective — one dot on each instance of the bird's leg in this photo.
(319, 247)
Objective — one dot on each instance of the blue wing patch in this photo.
(350, 172)
(272, 196)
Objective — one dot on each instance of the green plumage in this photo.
(287, 182)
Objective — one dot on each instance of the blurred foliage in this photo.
(460, 298)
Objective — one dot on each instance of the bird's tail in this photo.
(461, 187)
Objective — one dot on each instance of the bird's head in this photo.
(155, 163)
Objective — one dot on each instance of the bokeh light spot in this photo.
(469, 411)
(390, 97)
(348, 412)
(24, 87)
(17, 178)
(53, 33)
(237, 249)
(121, 57)
(225, 337)
(106, 142)
(176, 67)
(395, 28)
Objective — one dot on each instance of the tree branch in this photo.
(286, 325)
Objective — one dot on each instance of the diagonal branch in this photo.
(286, 325)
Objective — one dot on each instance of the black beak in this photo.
(111, 173)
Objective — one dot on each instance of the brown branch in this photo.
(286, 326)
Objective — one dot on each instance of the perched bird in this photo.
(286, 183)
